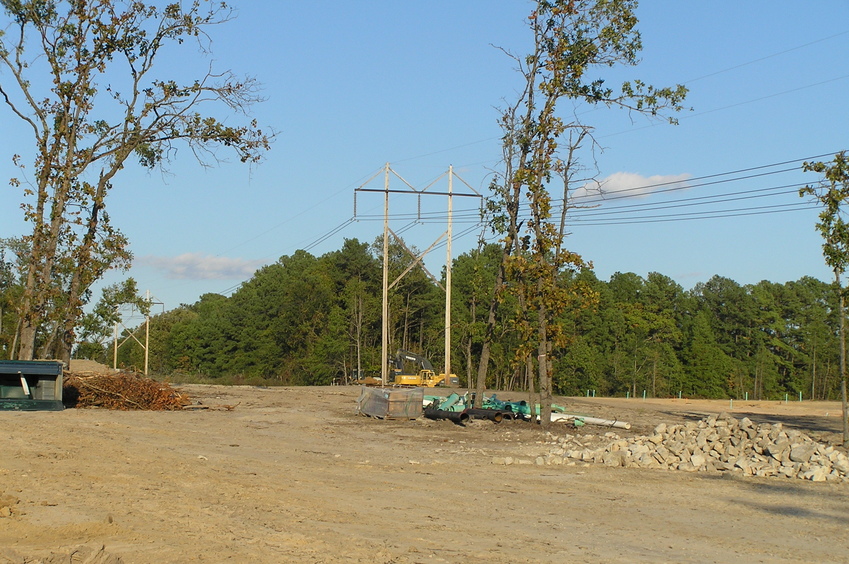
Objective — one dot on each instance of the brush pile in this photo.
(121, 391)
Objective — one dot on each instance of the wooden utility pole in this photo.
(417, 259)
(146, 333)
(132, 335)
(448, 261)
(384, 366)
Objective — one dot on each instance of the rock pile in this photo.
(721, 443)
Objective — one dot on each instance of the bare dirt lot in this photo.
(293, 474)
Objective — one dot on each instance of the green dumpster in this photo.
(31, 385)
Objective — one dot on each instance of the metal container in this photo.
(390, 403)
(31, 385)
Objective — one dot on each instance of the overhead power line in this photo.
(770, 192)
(586, 213)
(770, 56)
(587, 206)
(724, 214)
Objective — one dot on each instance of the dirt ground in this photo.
(274, 475)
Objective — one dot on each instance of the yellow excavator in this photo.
(424, 376)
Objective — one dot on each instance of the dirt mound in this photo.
(81, 365)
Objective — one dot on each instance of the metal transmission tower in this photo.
(409, 189)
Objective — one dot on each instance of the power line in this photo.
(329, 234)
(742, 212)
(473, 215)
(729, 173)
(791, 49)
(590, 217)
(770, 192)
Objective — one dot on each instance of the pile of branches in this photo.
(122, 391)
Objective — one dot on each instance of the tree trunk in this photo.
(825, 393)
(469, 365)
(480, 385)
(654, 379)
(814, 373)
(634, 376)
(27, 340)
(845, 413)
(544, 367)
(843, 400)
(529, 374)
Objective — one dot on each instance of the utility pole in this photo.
(417, 259)
(448, 261)
(384, 363)
(132, 334)
(146, 333)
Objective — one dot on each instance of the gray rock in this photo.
(698, 460)
(775, 450)
(817, 474)
(613, 458)
(802, 452)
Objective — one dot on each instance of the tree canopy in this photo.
(83, 78)
(316, 320)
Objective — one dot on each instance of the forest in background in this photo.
(307, 320)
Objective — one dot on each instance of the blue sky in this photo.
(350, 86)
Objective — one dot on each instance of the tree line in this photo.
(534, 314)
(316, 320)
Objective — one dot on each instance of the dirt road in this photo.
(293, 474)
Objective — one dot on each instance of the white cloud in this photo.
(192, 266)
(631, 184)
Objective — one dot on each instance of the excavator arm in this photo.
(421, 362)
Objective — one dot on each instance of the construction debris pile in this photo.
(121, 391)
(459, 409)
(721, 443)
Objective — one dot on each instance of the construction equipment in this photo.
(424, 375)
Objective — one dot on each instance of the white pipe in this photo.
(590, 420)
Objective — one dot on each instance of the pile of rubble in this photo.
(122, 391)
(721, 443)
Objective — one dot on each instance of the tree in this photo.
(81, 77)
(356, 274)
(96, 327)
(812, 335)
(833, 194)
(707, 366)
(473, 274)
(570, 39)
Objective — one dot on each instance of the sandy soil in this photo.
(293, 474)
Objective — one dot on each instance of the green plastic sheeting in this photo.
(521, 407)
(456, 402)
